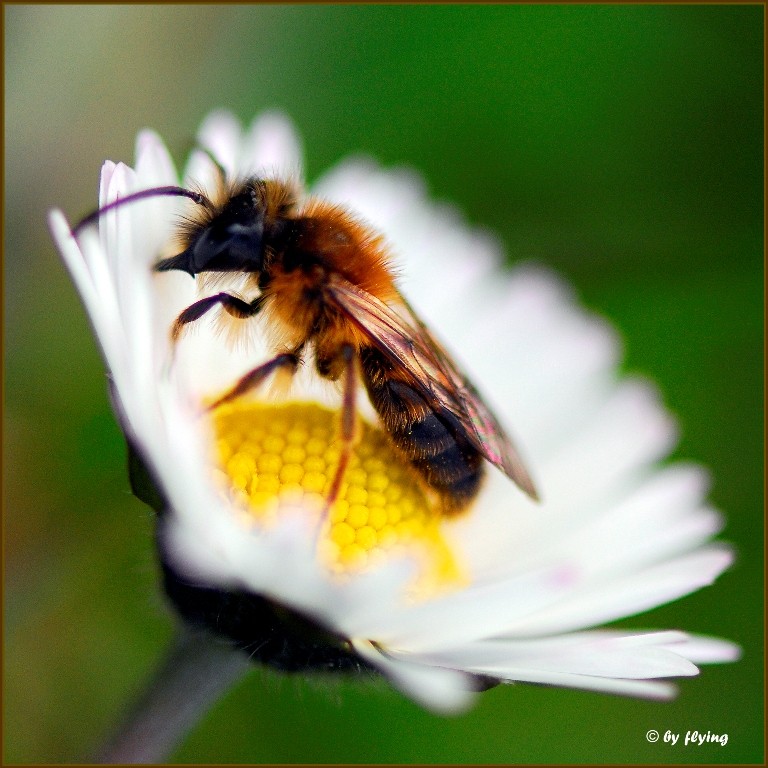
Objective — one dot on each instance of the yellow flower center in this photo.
(271, 455)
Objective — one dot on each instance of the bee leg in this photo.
(234, 306)
(348, 425)
(254, 378)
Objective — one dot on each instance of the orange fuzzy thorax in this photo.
(342, 246)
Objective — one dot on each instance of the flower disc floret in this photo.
(268, 455)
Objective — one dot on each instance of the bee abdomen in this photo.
(428, 435)
(445, 460)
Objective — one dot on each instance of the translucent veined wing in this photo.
(405, 341)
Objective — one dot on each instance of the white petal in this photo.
(629, 432)
(106, 316)
(641, 689)
(443, 690)
(73, 258)
(597, 654)
(271, 148)
(473, 613)
(659, 518)
(607, 600)
(221, 134)
(555, 367)
(707, 650)
(201, 172)
(154, 166)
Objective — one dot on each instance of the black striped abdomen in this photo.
(428, 435)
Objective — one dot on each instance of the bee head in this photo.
(231, 240)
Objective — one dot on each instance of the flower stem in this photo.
(197, 669)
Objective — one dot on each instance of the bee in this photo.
(324, 280)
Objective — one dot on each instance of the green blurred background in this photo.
(620, 145)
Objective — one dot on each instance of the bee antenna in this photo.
(94, 216)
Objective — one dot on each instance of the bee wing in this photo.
(408, 344)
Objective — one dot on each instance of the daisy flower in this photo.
(508, 590)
